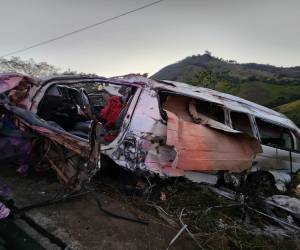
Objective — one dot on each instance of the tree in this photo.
(207, 52)
(28, 67)
(214, 80)
(206, 79)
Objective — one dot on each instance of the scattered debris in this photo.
(281, 222)
(224, 192)
(287, 203)
(163, 196)
(4, 211)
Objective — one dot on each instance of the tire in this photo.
(260, 184)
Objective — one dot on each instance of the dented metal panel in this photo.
(74, 159)
(201, 148)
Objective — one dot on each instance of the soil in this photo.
(80, 224)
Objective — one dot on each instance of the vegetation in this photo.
(28, 67)
(264, 84)
(32, 68)
(292, 110)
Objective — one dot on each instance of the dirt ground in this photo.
(215, 222)
(80, 224)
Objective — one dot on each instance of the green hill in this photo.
(187, 67)
(264, 84)
(291, 110)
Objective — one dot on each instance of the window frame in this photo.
(252, 125)
(296, 142)
(282, 128)
(225, 111)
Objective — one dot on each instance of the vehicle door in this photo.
(296, 153)
(268, 158)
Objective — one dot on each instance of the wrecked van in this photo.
(165, 128)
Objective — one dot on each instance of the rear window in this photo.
(274, 135)
(241, 122)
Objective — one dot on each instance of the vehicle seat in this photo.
(82, 129)
(83, 126)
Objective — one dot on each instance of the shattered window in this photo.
(211, 110)
(274, 136)
(241, 122)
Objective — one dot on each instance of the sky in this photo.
(261, 31)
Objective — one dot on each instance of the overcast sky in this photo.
(262, 31)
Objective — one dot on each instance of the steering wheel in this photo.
(85, 104)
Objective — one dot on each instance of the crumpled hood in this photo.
(9, 81)
(16, 88)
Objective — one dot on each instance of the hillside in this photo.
(291, 110)
(264, 84)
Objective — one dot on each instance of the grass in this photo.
(266, 93)
(289, 107)
(291, 110)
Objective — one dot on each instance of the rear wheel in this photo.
(260, 184)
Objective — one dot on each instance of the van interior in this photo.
(73, 107)
(171, 102)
